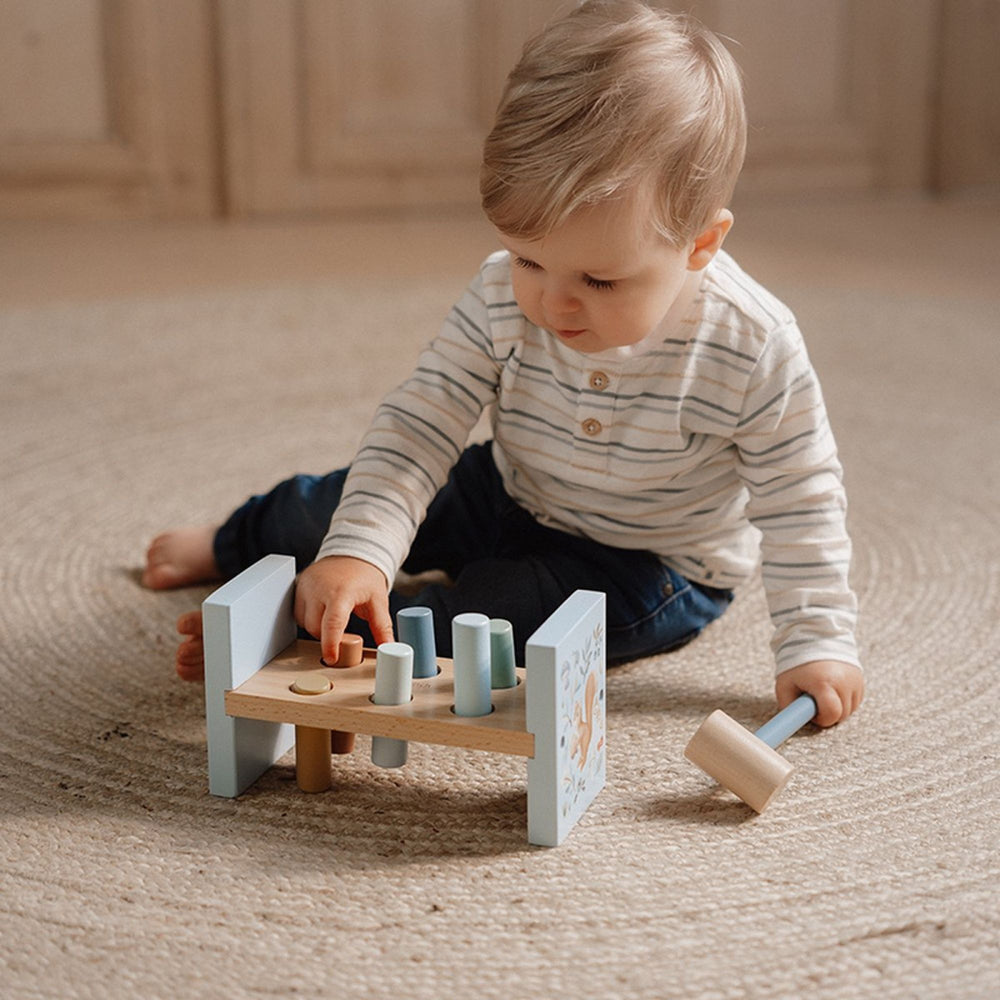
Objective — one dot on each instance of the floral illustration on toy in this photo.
(581, 742)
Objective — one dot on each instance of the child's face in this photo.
(602, 279)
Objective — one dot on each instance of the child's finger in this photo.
(380, 622)
(785, 691)
(300, 609)
(331, 631)
(857, 697)
(829, 706)
(309, 615)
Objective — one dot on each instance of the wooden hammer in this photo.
(747, 763)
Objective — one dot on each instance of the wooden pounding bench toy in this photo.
(265, 689)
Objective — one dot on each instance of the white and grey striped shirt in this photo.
(708, 445)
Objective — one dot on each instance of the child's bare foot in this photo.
(191, 652)
(181, 557)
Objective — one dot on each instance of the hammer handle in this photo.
(789, 720)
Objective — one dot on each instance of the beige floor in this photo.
(899, 244)
(872, 877)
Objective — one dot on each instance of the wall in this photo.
(193, 108)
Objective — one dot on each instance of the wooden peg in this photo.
(470, 639)
(393, 686)
(415, 627)
(351, 654)
(502, 670)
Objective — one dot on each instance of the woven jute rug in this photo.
(875, 874)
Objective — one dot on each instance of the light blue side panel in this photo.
(565, 709)
(247, 622)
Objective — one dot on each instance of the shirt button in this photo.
(592, 427)
(598, 380)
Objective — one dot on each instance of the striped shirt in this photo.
(708, 445)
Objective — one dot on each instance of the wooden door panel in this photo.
(837, 90)
(107, 110)
(363, 104)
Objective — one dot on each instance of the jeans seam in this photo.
(638, 623)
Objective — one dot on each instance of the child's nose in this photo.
(557, 299)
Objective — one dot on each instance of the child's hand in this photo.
(837, 688)
(333, 587)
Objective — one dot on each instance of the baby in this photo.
(657, 428)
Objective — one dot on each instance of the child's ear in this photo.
(707, 243)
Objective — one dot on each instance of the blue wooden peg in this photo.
(502, 672)
(415, 627)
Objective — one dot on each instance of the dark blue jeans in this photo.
(504, 564)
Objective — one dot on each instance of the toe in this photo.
(191, 659)
(190, 623)
(191, 652)
(191, 672)
(161, 576)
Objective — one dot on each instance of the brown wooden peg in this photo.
(352, 653)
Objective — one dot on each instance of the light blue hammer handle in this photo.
(789, 720)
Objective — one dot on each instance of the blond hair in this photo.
(613, 99)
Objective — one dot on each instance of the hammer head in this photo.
(738, 760)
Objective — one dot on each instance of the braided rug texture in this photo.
(874, 874)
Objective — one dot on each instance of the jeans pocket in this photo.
(649, 591)
(676, 612)
(673, 587)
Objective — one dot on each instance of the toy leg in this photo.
(312, 759)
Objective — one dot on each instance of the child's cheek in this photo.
(526, 298)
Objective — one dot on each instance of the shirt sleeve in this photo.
(416, 436)
(788, 461)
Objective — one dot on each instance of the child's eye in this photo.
(524, 262)
(598, 283)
